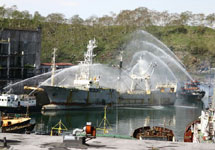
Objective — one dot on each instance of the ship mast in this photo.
(88, 60)
(83, 78)
(120, 69)
(53, 66)
(88, 56)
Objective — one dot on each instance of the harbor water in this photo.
(123, 121)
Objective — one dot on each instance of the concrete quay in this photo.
(44, 142)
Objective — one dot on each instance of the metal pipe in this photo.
(74, 132)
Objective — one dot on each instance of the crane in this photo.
(143, 75)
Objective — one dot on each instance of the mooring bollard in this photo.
(5, 142)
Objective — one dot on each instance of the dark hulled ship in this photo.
(191, 94)
(86, 91)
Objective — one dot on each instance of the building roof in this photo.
(20, 29)
(57, 64)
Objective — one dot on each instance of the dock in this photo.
(45, 142)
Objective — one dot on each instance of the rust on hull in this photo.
(154, 133)
(188, 134)
(16, 123)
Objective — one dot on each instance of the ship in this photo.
(154, 133)
(17, 103)
(16, 123)
(162, 94)
(191, 94)
(86, 92)
(202, 129)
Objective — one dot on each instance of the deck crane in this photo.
(142, 75)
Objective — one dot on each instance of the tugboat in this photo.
(154, 133)
(191, 93)
(16, 123)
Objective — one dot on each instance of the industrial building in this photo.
(19, 54)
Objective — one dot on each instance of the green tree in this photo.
(185, 17)
(55, 18)
(211, 19)
(76, 20)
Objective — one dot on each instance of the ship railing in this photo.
(12, 115)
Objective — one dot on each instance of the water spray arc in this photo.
(144, 59)
(53, 66)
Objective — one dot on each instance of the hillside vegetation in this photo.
(195, 46)
(190, 36)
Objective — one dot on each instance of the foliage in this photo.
(185, 32)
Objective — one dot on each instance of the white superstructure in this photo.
(13, 100)
(83, 79)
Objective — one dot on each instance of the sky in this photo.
(99, 8)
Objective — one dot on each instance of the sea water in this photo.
(123, 121)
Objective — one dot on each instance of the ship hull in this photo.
(21, 127)
(189, 99)
(188, 134)
(156, 98)
(72, 98)
(18, 128)
(69, 98)
(191, 95)
(20, 109)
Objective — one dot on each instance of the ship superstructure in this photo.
(15, 101)
(83, 80)
(18, 103)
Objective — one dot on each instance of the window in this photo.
(9, 123)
